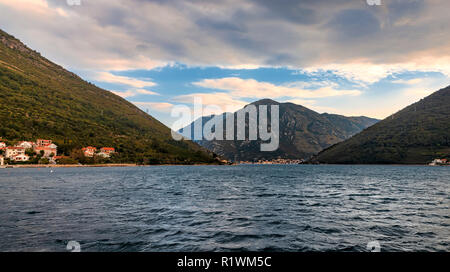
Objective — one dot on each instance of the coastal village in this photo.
(45, 150)
(47, 153)
(435, 162)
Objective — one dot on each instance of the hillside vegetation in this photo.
(39, 99)
(415, 135)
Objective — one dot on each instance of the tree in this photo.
(67, 161)
(44, 161)
(30, 152)
(77, 155)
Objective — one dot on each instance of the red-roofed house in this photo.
(47, 147)
(48, 151)
(89, 151)
(2, 145)
(42, 142)
(106, 152)
(25, 144)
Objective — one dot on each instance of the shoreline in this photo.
(91, 165)
(66, 165)
(34, 166)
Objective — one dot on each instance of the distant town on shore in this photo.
(45, 152)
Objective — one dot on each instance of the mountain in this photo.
(415, 135)
(40, 99)
(303, 133)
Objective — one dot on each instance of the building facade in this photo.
(89, 151)
(16, 153)
(25, 144)
(46, 151)
(12, 151)
(20, 158)
(45, 147)
(106, 152)
(42, 142)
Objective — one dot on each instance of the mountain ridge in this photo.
(303, 133)
(414, 135)
(40, 99)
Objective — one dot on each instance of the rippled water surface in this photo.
(226, 208)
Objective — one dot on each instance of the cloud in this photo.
(37, 5)
(130, 93)
(250, 88)
(303, 102)
(407, 91)
(418, 88)
(353, 24)
(144, 91)
(224, 101)
(235, 92)
(133, 82)
(70, 36)
(367, 73)
(155, 106)
(119, 35)
(413, 81)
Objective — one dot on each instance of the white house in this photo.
(48, 151)
(20, 158)
(2, 161)
(103, 155)
(439, 162)
(2, 145)
(14, 151)
(25, 144)
(53, 146)
(42, 142)
(47, 147)
(89, 151)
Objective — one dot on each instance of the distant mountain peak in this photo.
(265, 101)
(303, 133)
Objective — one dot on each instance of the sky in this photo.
(342, 56)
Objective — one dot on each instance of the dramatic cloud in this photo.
(128, 81)
(131, 34)
(366, 73)
(351, 51)
(130, 93)
(155, 106)
(236, 92)
(223, 102)
(251, 88)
